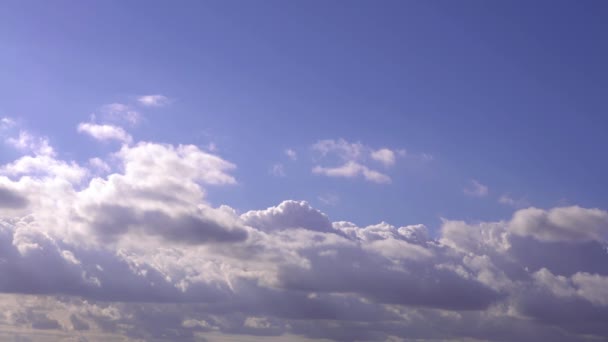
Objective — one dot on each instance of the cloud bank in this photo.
(139, 252)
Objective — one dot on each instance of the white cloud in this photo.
(121, 112)
(561, 224)
(104, 132)
(278, 170)
(291, 154)
(353, 170)
(156, 100)
(6, 123)
(329, 199)
(30, 143)
(476, 189)
(353, 158)
(385, 156)
(340, 147)
(510, 201)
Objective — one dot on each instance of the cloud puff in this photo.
(291, 154)
(384, 155)
(138, 253)
(156, 100)
(104, 132)
(352, 159)
(351, 170)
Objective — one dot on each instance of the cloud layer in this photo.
(140, 253)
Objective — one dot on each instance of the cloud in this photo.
(156, 100)
(6, 123)
(30, 143)
(353, 158)
(104, 132)
(353, 170)
(561, 224)
(138, 253)
(121, 112)
(516, 203)
(329, 199)
(11, 199)
(384, 155)
(278, 170)
(476, 189)
(291, 154)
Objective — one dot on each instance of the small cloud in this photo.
(212, 147)
(384, 156)
(506, 199)
(278, 170)
(329, 199)
(119, 111)
(6, 123)
(104, 132)
(476, 189)
(352, 170)
(291, 154)
(153, 100)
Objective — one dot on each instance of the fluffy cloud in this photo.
(104, 132)
(352, 159)
(137, 253)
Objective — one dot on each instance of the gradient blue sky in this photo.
(510, 94)
(303, 170)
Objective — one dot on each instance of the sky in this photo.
(303, 170)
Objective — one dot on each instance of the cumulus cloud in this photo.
(352, 159)
(156, 100)
(476, 189)
(104, 132)
(384, 155)
(136, 252)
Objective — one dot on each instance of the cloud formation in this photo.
(155, 100)
(352, 159)
(104, 132)
(138, 252)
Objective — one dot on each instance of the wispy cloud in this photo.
(506, 199)
(156, 100)
(353, 169)
(329, 199)
(278, 170)
(476, 189)
(29, 142)
(121, 112)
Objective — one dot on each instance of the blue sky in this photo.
(489, 90)
(482, 109)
